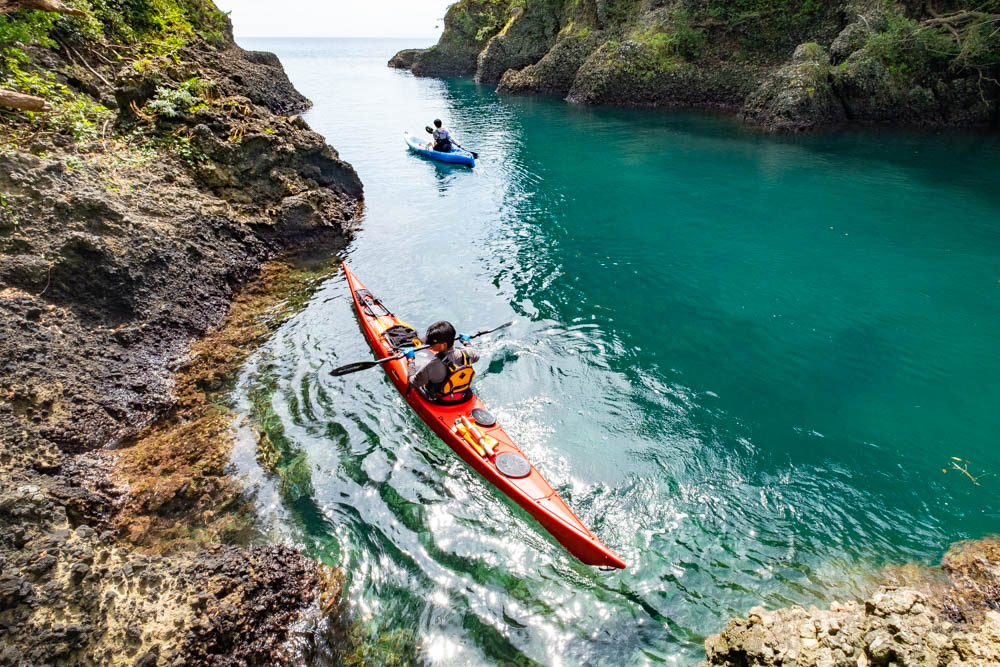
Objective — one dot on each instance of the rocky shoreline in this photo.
(124, 237)
(782, 65)
(918, 616)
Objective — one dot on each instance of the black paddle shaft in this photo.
(365, 365)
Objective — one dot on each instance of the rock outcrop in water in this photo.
(166, 174)
(465, 25)
(785, 65)
(923, 617)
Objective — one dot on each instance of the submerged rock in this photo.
(81, 600)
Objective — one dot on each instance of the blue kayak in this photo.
(456, 156)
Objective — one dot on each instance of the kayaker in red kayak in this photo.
(442, 373)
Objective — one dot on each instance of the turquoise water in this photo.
(742, 359)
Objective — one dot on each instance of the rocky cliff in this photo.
(159, 172)
(781, 64)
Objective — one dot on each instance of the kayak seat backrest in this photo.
(449, 399)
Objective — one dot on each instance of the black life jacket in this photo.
(457, 381)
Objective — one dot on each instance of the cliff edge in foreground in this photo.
(148, 167)
(782, 64)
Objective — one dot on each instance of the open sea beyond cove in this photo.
(744, 360)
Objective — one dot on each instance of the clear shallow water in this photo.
(742, 359)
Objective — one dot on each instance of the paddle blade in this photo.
(353, 368)
(475, 155)
(429, 130)
(483, 333)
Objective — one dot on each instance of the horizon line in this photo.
(237, 36)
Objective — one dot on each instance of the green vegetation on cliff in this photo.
(469, 24)
(115, 33)
(888, 62)
(765, 24)
(917, 49)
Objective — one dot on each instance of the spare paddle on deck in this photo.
(364, 365)
(475, 155)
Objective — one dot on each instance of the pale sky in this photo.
(336, 18)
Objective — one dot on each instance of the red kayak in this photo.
(505, 467)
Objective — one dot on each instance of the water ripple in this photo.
(741, 359)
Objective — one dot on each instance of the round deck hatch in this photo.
(513, 465)
(483, 417)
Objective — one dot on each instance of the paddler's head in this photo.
(437, 124)
(440, 336)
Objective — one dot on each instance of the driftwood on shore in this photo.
(10, 98)
(8, 6)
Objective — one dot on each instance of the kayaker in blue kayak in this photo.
(442, 373)
(442, 138)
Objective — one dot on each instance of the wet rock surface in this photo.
(940, 617)
(72, 595)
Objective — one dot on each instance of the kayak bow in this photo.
(483, 445)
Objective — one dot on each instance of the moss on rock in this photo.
(179, 494)
(555, 72)
(527, 36)
(630, 72)
(798, 96)
(895, 69)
